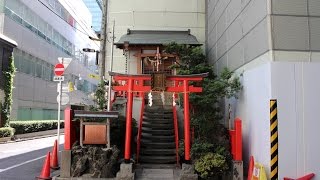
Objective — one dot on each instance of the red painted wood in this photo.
(232, 142)
(181, 89)
(238, 140)
(181, 78)
(186, 122)
(128, 122)
(68, 140)
(176, 132)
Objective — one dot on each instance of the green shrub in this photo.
(211, 165)
(200, 148)
(22, 127)
(6, 132)
(118, 132)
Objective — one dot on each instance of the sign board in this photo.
(64, 61)
(58, 78)
(94, 76)
(158, 82)
(65, 88)
(59, 69)
(64, 98)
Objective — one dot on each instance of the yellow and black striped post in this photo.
(274, 139)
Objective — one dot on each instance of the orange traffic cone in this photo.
(54, 157)
(251, 165)
(45, 173)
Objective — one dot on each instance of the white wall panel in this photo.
(293, 85)
(311, 121)
(283, 89)
(253, 109)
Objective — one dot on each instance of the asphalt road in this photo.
(24, 160)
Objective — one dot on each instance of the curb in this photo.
(29, 136)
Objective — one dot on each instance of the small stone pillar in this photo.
(237, 170)
(126, 172)
(187, 172)
(65, 171)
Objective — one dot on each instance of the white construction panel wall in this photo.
(253, 109)
(297, 91)
(298, 94)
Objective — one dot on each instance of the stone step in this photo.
(157, 159)
(154, 174)
(157, 116)
(155, 138)
(158, 121)
(141, 166)
(162, 140)
(162, 110)
(157, 126)
(158, 152)
(166, 132)
(157, 145)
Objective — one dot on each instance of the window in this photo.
(38, 71)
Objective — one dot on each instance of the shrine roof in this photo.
(154, 37)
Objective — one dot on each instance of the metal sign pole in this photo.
(59, 109)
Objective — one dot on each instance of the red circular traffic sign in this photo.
(59, 69)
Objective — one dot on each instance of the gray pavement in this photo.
(23, 160)
(157, 174)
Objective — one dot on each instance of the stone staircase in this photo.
(157, 138)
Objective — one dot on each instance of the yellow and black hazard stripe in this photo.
(274, 139)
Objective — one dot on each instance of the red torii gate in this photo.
(135, 83)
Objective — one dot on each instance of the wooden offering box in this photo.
(93, 126)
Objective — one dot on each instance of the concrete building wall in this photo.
(33, 96)
(240, 31)
(153, 15)
(296, 30)
(237, 32)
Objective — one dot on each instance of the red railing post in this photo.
(232, 142)
(186, 121)
(69, 132)
(238, 140)
(128, 122)
(176, 132)
(140, 125)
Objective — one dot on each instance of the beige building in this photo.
(164, 15)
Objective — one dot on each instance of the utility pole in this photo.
(103, 37)
(110, 82)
